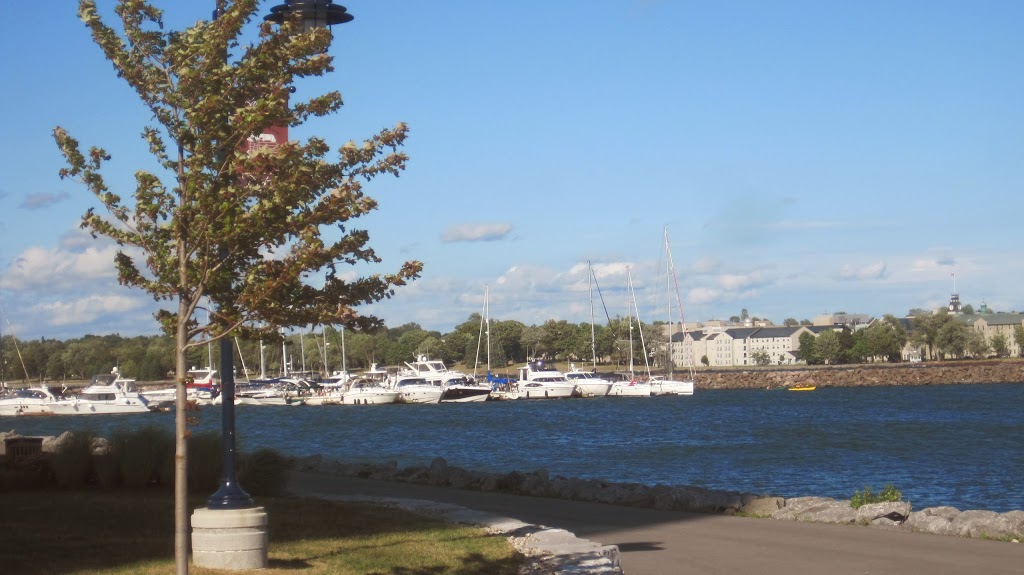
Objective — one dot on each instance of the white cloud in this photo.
(873, 271)
(87, 309)
(702, 295)
(476, 232)
(58, 268)
(739, 282)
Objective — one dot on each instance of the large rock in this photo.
(988, 524)
(937, 520)
(817, 510)
(763, 506)
(887, 513)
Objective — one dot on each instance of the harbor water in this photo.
(958, 445)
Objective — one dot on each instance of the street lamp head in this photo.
(314, 13)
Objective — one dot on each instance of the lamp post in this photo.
(314, 14)
(230, 533)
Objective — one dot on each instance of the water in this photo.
(959, 445)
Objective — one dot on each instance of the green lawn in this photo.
(92, 532)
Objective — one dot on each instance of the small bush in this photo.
(888, 493)
(71, 462)
(142, 452)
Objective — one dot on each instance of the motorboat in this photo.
(455, 385)
(29, 401)
(330, 391)
(660, 385)
(588, 384)
(107, 393)
(368, 389)
(415, 389)
(200, 387)
(538, 380)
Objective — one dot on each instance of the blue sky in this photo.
(806, 157)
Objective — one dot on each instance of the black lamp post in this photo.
(314, 14)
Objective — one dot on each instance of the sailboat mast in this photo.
(263, 362)
(480, 334)
(668, 297)
(344, 366)
(487, 322)
(593, 337)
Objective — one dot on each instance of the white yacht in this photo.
(455, 385)
(588, 384)
(415, 389)
(106, 393)
(29, 401)
(369, 389)
(540, 381)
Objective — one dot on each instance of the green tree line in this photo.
(151, 358)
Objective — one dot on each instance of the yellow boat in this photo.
(803, 388)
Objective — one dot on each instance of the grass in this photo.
(887, 494)
(91, 532)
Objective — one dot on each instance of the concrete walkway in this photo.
(653, 542)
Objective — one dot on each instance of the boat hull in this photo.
(465, 394)
(531, 391)
(630, 389)
(672, 388)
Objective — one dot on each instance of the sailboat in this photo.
(668, 385)
(502, 388)
(588, 384)
(635, 387)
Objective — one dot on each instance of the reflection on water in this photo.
(959, 445)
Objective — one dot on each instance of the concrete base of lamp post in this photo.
(231, 539)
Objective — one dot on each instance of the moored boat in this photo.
(588, 383)
(538, 380)
(107, 393)
(29, 401)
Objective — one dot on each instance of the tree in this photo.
(999, 345)
(1018, 338)
(828, 347)
(240, 230)
(806, 322)
(704, 359)
(790, 322)
(968, 309)
(952, 338)
(976, 344)
(807, 346)
(761, 357)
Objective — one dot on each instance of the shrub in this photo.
(71, 462)
(141, 455)
(888, 493)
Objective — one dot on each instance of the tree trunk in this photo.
(181, 523)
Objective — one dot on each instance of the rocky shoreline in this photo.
(864, 375)
(943, 520)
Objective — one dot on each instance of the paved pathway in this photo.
(653, 542)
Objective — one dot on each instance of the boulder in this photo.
(763, 506)
(817, 510)
(986, 524)
(886, 513)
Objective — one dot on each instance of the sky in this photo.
(804, 157)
